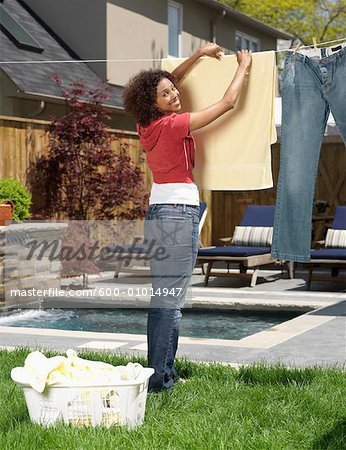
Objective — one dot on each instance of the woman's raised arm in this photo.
(212, 50)
(206, 116)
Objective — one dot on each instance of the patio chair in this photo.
(139, 251)
(333, 255)
(250, 249)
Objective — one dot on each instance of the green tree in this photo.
(323, 19)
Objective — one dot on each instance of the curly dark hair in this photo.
(140, 95)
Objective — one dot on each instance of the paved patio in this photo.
(317, 337)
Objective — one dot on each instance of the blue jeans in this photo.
(312, 87)
(174, 229)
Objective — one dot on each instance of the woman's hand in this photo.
(244, 58)
(212, 50)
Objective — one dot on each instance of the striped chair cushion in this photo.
(253, 236)
(336, 238)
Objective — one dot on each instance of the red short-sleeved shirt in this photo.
(170, 148)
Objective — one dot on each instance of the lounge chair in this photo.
(251, 252)
(333, 255)
(130, 255)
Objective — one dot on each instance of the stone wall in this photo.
(23, 271)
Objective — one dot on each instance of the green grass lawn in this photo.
(256, 407)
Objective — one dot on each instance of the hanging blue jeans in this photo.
(174, 229)
(314, 83)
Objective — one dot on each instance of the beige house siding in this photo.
(131, 36)
(123, 30)
(136, 29)
(135, 32)
(209, 24)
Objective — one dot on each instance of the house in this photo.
(29, 51)
(107, 40)
(94, 40)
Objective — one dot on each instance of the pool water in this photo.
(195, 323)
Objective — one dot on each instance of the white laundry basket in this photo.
(106, 405)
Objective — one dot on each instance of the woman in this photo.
(152, 97)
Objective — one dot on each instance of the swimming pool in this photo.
(210, 324)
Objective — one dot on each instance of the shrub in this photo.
(15, 191)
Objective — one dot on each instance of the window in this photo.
(16, 32)
(175, 14)
(245, 42)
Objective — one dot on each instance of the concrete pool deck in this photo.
(315, 338)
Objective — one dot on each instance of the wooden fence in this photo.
(22, 141)
(330, 188)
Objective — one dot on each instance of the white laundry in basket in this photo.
(40, 371)
(80, 392)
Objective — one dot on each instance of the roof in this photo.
(247, 20)
(34, 80)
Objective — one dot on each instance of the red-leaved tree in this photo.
(83, 178)
(87, 179)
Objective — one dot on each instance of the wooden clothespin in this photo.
(314, 42)
(297, 47)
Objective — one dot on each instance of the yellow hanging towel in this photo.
(233, 152)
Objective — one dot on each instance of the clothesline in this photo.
(313, 45)
(70, 61)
